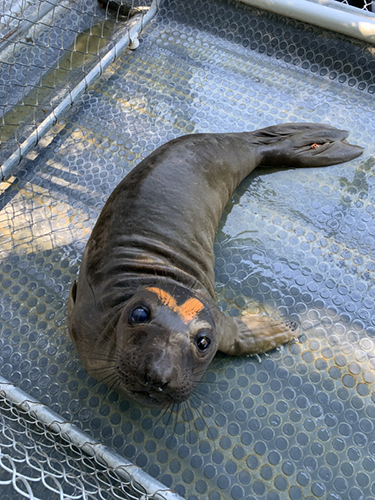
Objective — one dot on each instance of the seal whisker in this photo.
(99, 355)
(112, 375)
(202, 392)
(203, 398)
(162, 411)
(169, 415)
(114, 386)
(105, 360)
(197, 373)
(170, 420)
(111, 382)
(185, 406)
(104, 369)
(200, 413)
(203, 383)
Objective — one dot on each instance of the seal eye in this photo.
(140, 315)
(202, 341)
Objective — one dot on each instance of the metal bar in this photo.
(124, 469)
(25, 25)
(130, 38)
(344, 19)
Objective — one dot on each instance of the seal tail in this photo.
(304, 145)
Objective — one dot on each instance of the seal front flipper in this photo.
(254, 334)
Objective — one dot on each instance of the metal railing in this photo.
(50, 52)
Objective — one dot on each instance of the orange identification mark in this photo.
(187, 311)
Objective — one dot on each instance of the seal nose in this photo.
(158, 379)
(159, 372)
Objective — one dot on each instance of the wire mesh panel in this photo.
(360, 4)
(46, 49)
(42, 456)
(36, 462)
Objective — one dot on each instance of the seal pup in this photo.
(142, 313)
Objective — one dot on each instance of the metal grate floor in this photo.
(299, 422)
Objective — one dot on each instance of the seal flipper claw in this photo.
(257, 334)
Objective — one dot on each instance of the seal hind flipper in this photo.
(254, 334)
(305, 145)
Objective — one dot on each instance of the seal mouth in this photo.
(146, 398)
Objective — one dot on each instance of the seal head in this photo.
(159, 347)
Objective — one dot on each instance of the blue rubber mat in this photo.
(295, 423)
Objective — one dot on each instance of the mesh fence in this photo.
(47, 51)
(43, 456)
(360, 4)
(36, 462)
